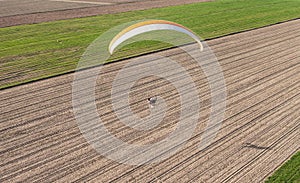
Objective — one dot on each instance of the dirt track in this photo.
(14, 12)
(41, 141)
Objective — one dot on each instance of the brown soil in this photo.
(59, 11)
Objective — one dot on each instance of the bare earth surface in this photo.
(17, 12)
(40, 140)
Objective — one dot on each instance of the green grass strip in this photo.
(289, 172)
(31, 52)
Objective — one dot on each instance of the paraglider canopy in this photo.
(148, 26)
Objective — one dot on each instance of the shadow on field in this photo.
(249, 145)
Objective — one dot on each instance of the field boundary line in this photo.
(83, 2)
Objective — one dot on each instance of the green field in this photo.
(289, 172)
(31, 52)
